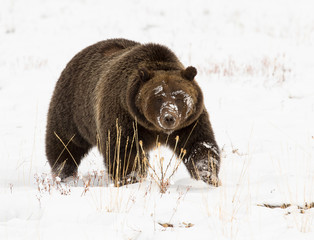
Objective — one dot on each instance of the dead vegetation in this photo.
(274, 69)
(160, 172)
(302, 209)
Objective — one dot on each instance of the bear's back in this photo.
(152, 56)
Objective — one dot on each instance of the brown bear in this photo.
(123, 97)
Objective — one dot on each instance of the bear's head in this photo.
(167, 100)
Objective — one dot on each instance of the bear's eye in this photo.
(179, 102)
(158, 100)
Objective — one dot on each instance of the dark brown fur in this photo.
(99, 100)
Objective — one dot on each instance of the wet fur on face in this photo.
(167, 100)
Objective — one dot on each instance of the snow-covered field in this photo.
(256, 68)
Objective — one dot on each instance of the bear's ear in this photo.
(189, 73)
(145, 74)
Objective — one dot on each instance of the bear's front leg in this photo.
(202, 155)
(203, 162)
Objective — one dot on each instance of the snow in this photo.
(255, 66)
(158, 90)
(187, 99)
(169, 106)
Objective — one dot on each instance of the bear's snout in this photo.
(169, 121)
(169, 116)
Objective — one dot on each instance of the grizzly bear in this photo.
(124, 97)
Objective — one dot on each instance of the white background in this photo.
(255, 65)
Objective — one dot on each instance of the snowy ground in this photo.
(256, 68)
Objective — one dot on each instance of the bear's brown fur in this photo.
(116, 92)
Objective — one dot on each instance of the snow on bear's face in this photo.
(168, 107)
(167, 100)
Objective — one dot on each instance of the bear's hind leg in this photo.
(128, 166)
(126, 170)
(64, 161)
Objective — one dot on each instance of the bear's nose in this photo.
(169, 120)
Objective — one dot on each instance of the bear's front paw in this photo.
(207, 171)
(203, 162)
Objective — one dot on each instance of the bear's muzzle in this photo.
(169, 117)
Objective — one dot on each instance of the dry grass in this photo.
(275, 70)
(106, 194)
(160, 172)
(296, 185)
